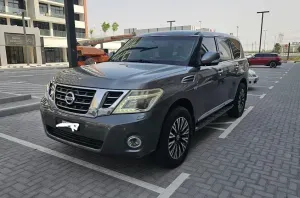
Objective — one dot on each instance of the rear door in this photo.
(240, 65)
(223, 69)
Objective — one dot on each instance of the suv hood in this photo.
(117, 75)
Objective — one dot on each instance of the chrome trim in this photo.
(95, 108)
(187, 79)
(214, 109)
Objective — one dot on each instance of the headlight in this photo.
(138, 101)
(51, 90)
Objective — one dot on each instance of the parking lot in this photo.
(256, 155)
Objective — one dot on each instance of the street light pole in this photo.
(265, 39)
(23, 7)
(237, 31)
(71, 34)
(200, 24)
(171, 22)
(261, 28)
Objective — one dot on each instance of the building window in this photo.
(3, 21)
(18, 22)
(13, 3)
(2, 3)
(41, 25)
(77, 17)
(54, 55)
(76, 2)
(43, 8)
(80, 33)
(15, 54)
(58, 11)
(59, 30)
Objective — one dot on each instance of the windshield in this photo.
(175, 50)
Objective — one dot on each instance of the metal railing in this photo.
(57, 15)
(80, 35)
(59, 33)
(45, 32)
(10, 10)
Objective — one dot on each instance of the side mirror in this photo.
(210, 58)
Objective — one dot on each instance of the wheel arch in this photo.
(183, 102)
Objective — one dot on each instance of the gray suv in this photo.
(152, 95)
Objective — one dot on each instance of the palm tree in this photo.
(298, 49)
(277, 48)
(91, 32)
(115, 27)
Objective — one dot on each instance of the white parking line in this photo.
(235, 123)
(271, 87)
(280, 77)
(174, 185)
(276, 82)
(19, 76)
(253, 95)
(262, 96)
(164, 192)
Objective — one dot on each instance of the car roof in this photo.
(187, 33)
(268, 53)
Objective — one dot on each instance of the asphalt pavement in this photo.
(256, 155)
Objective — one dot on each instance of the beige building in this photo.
(45, 27)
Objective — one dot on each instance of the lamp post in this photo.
(237, 31)
(171, 22)
(265, 39)
(261, 28)
(200, 24)
(71, 33)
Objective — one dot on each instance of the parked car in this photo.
(152, 95)
(253, 77)
(268, 59)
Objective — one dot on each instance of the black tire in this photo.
(89, 61)
(239, 102)
(273, 64)
(170, 155)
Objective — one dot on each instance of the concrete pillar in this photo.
(65, 56)
(51, 29)
(3, 59)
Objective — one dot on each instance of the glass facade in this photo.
(43, 8)
(54, 55)
(18, 22)
(3, 21)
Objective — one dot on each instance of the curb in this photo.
(33, 68)
(19, 109)
(15, 99)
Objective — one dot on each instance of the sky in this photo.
(222, 15)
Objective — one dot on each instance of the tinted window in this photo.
(43, 8)
(175, 50)
(3, 21)
(259, 55)
(41, 25)
(224, 48)
(236, 48)
(208, 45)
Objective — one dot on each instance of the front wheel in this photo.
(239, 102)
(175, 138)
(273, 64)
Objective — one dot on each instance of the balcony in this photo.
(80, 35)
(11, 11)
(59, 33)
(54, 15)
(45, 32)
(58, 1)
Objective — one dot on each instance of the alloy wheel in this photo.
(179, 138)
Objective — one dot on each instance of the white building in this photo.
(46, 30)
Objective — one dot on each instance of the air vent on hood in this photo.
(188, 79)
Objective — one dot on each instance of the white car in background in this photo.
(253, 77)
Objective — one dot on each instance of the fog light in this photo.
(134, 142)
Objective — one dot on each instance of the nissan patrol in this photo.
(151, 96)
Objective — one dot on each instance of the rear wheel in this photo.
(273, 64)
(239, 102)
(175, 138)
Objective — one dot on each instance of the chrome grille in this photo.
(111, 98)
(82, 102)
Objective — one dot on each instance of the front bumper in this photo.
(106, 134)
(253, 80)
